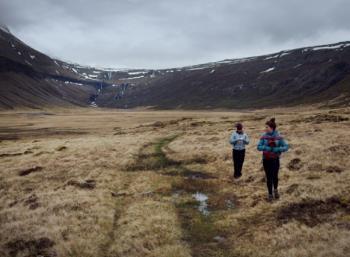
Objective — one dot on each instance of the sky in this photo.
(172, 33)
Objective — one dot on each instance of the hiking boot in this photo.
(277, 195)
(270, 198)
(237, 176)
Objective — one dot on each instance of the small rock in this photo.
(219, 239)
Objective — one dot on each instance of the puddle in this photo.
(202, 200)
(197, 175)
(230, 204)
(188, 174)
(176, 194)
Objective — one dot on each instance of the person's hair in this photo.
(271, 123)
(239, 126)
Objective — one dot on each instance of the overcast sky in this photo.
(172, 33)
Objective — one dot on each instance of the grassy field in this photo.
(103, 183)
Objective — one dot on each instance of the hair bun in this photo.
(271, 123)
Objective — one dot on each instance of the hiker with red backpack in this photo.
(272, 145)
(238, 141)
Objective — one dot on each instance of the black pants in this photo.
(271, 167)
(238, 159)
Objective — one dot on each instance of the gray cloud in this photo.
(164, 33)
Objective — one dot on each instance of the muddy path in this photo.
(196, 195)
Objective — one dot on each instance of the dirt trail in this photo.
(141, 195)
(195, 195)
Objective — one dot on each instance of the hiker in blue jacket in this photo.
(238, 141)
(272, 145)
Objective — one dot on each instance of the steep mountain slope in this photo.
(301, 76)
(305, 75)
(32, 79)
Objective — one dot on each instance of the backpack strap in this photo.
(271, 137)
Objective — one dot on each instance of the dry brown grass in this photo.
(120, 183)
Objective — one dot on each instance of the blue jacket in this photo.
(238, 141)
(272, 145)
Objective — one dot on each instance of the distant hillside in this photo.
(301, 76)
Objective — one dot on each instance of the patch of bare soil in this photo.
(321, 118)
(86, 184)
(343, 150)
(26, 172)
(31, 248)
(313, 212)
(295, 164)
(32, 202)
(334, 169)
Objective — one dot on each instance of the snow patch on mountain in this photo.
(284, 54)
(137, 72)
(4, 28)
(138, 77)
(272, 57)
(326, 47)
(198, 68)
(268, 70)
(93, 104)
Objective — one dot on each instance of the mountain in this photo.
(300, 76)
(32, 79)
(307, 75)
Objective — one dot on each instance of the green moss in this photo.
(162, 160)
(157, 159)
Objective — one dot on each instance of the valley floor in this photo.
(96, 183)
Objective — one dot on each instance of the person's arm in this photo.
(246, 139)
(262, 147)
(233, 139)
(283, 147)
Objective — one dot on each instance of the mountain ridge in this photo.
(313, 74)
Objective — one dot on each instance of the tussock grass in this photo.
(85, 201)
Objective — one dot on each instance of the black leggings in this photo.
(238, 159)
(271, 168)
